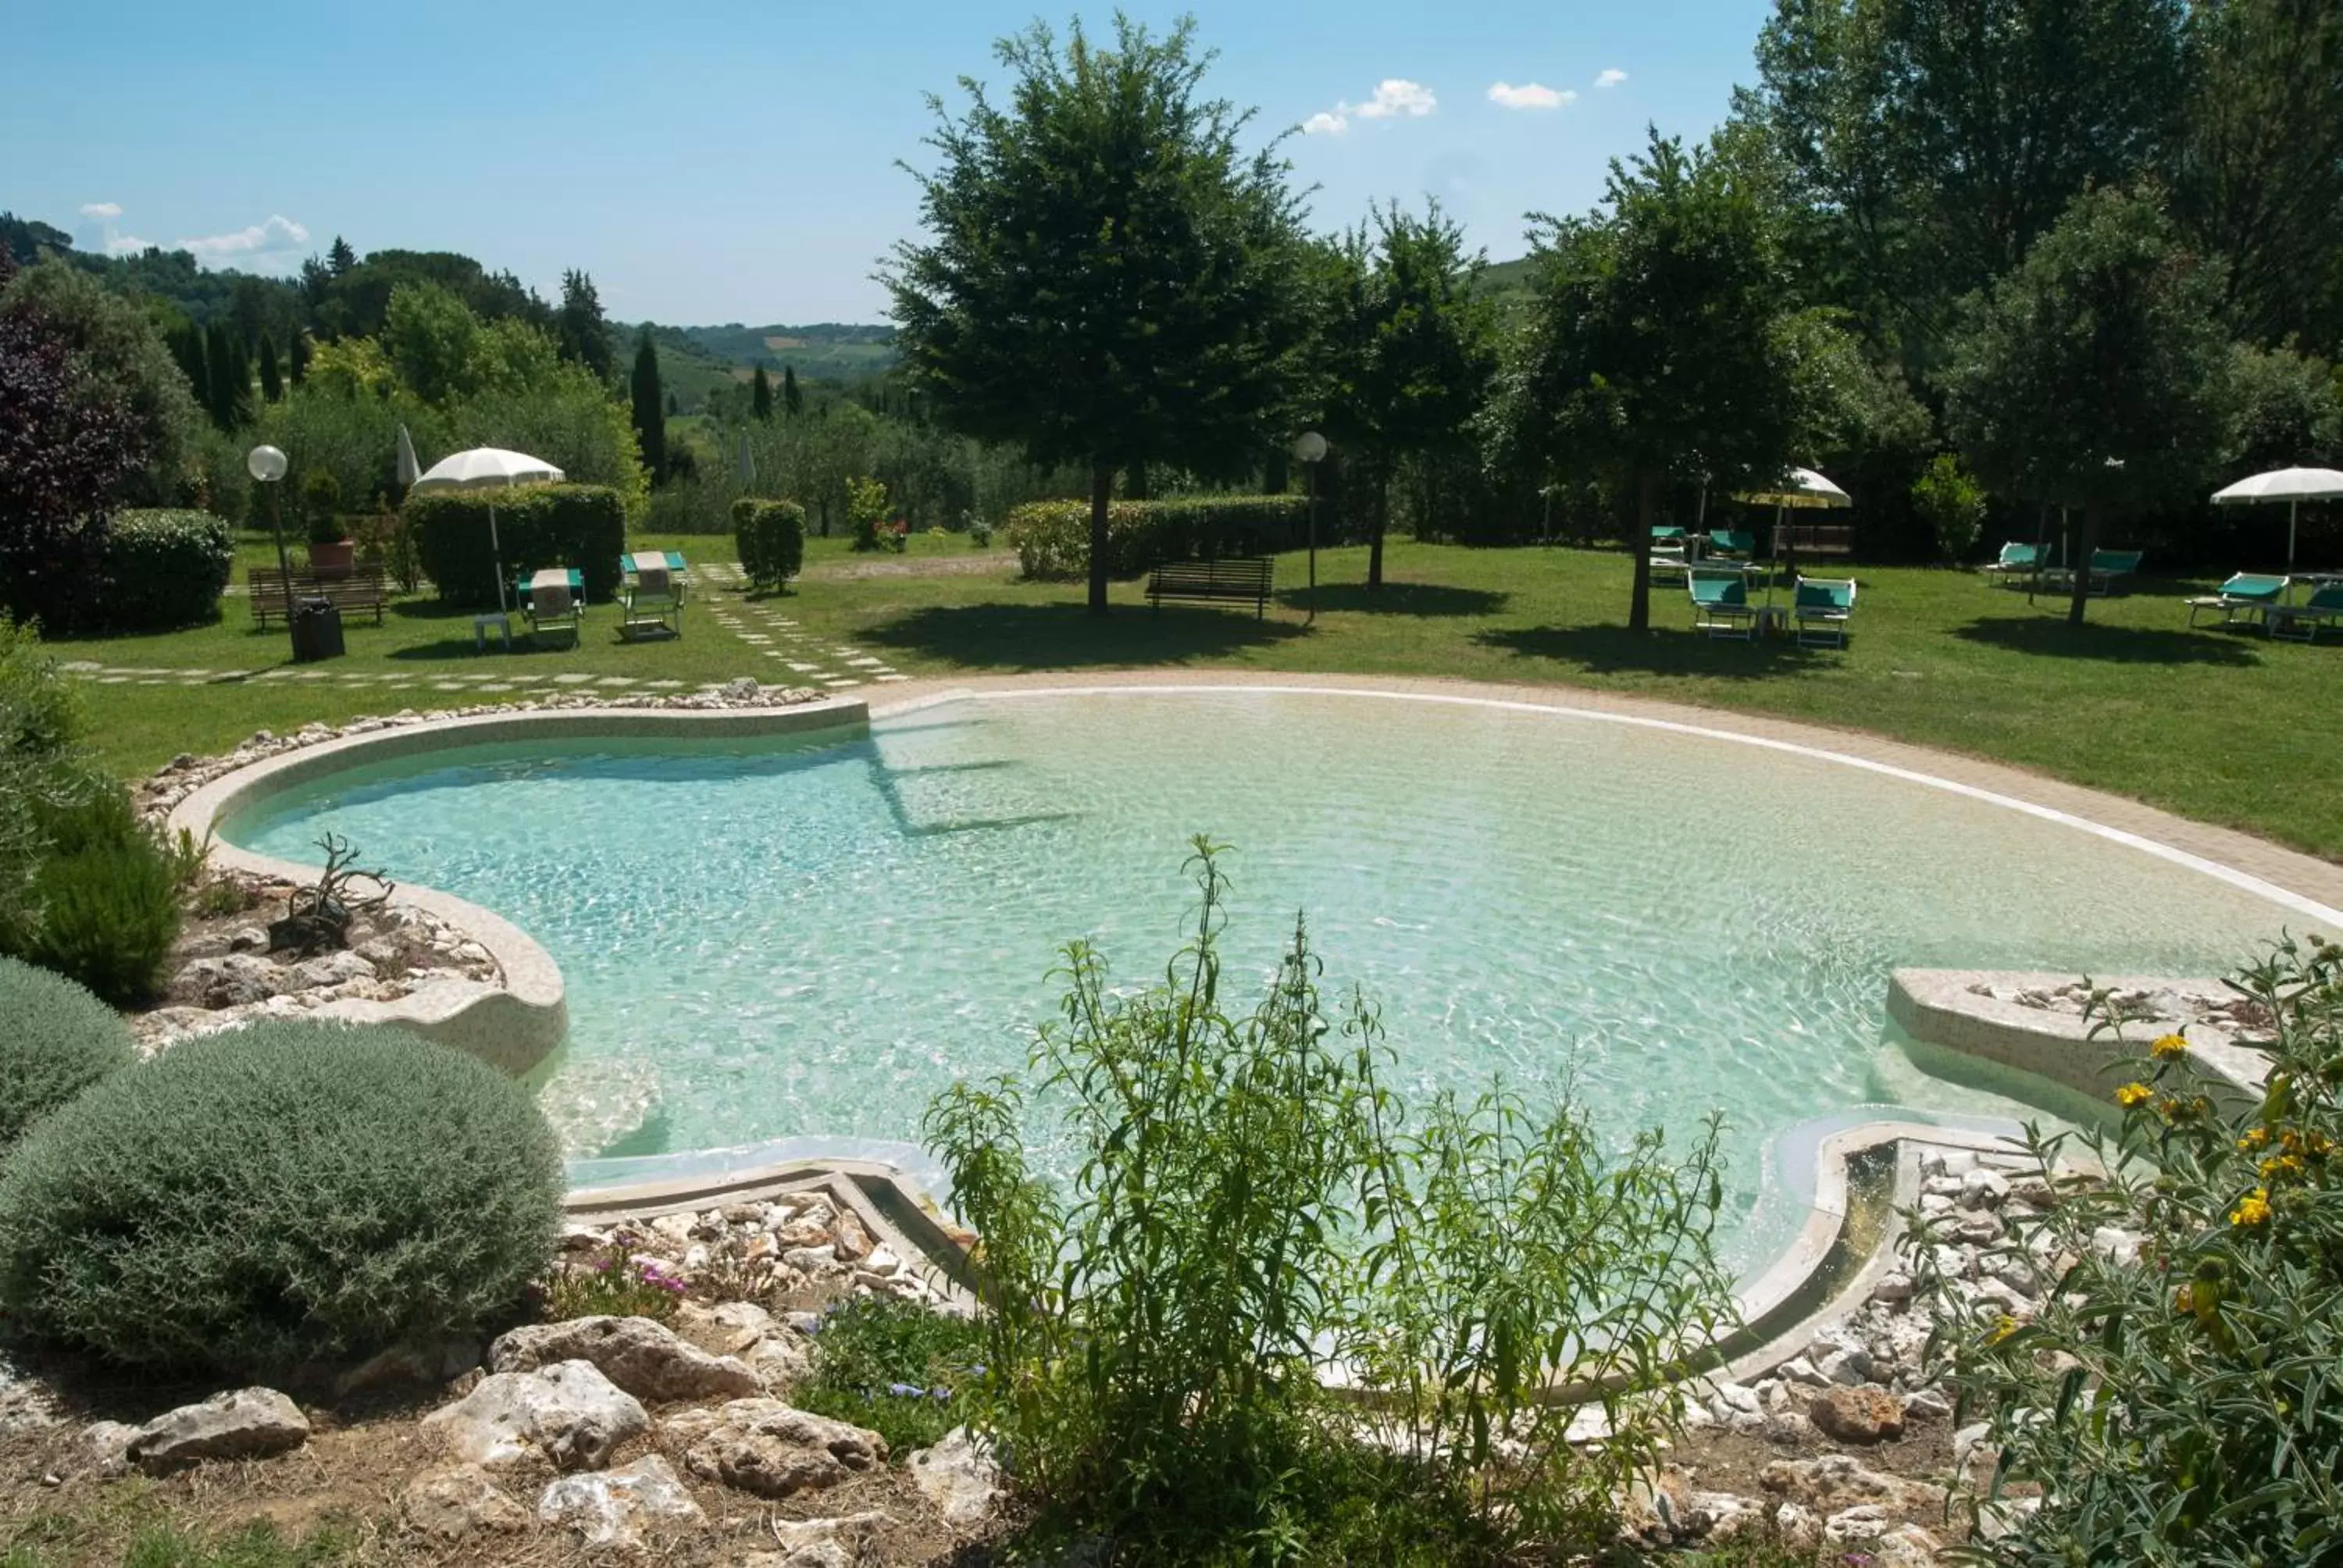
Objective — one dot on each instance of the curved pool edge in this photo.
(517, 1027)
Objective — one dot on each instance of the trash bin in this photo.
(317, 630)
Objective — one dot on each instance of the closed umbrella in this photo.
(2292, 485)
(409, 470)
(489, 468)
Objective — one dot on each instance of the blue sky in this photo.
(713, 163)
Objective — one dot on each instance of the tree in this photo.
(227, 391)
(116, 354)
(580, 327)
(299, 358)
(431, 338)
(761, 398)
(1413, 348)
(340, 258)
(272, 384)
(2098, 373)
(1940, 138)
(649, 406)
(66, 452)
(1106, 278)
(792, 400)
(1656, 351)
(2258, 178)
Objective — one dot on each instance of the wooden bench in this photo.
(1232, 579)
(364, 589)
(1814, 539)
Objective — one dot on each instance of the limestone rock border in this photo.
(517, 1027)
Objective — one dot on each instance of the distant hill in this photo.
(827, 350)
(1504, 277)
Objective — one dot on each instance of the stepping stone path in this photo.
(763, 627)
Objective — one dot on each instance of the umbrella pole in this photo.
(496, 554)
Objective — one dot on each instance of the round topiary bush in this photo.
(56, 1041)
(293, 1192)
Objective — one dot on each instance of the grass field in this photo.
(2225, 727)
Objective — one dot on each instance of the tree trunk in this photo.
(1639, 544)
(1102, 494)
(2084, 547)
(1383, 521)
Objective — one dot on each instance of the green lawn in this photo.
(2225, 727)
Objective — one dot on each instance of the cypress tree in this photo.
(228, 395)
(760, 396)
(792, 400)
(650, 407)
(300, 356)
(272, 385)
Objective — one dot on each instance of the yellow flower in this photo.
(2002, 1328)
(2254, 1138)
(2282, 1165)
(2184, 1300)
(2167, 1046)
(2253, 1208)
(2132, 1094)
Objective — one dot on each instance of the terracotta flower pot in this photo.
(334, 560)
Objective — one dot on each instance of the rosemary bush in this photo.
(1255, 1225)
(2173, 1391)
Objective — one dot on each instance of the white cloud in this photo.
(276, 236)
(1394, 97)
(100, 209)
(1529, 95)
(1611, 77)
(125, 244)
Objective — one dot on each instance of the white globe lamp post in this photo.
(267, 464)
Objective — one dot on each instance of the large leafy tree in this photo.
(1412, 347)
(1108, 278)
(2096, 374)
(1941, 138)
(2259, 174)
(1656, 349)
(116, 354)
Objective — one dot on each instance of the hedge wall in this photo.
(581, 526)
(772, 538)
(164, 568)
(1052, 538)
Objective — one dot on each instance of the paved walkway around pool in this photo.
(2305, 875)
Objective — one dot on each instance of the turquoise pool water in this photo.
(812, 936)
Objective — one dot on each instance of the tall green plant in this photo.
(1251, 1217)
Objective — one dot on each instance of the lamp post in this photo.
(1309, 447)
(266, 464)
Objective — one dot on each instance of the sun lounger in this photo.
(1822, 606)
(652, 600)
(555, 602)
(1737, 544)
(2107, 569)
(1720, 604)
(2247, 595)
(2322, 608)
(2015, 561)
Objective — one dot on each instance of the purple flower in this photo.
(907, 1391)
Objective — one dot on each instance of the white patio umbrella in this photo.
(2292, 485)
(1805, 488)
(489, 468)
(409, 470)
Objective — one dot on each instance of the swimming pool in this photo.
(811, 935)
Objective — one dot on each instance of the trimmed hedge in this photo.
(1052, 538)
(164, 568)
(771, 539)
(289, 1192)
(537, 526)
(57, 1040)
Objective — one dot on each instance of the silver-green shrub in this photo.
(1256, 1220)
(289, 1192)
(56, 1041)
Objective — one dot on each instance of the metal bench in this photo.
(364, 589)
(1232, 579)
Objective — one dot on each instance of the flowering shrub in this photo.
(613, 1285)
(2168, 1382)
(893, 1366)
(866, 513)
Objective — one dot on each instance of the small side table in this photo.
(499, 621)
(1773, 618)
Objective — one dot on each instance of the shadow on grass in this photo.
(1062, 636)
(1394, 599)
(2050, 635)
(1664, 650)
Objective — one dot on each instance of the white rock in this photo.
(1983, 1189)
(841, 1543)
(249, 1423)
(1733, 1396)
(1927, 1402)
(958, 1476)
(1905, 1546)
(2115, 1244)
(727, 1329)
(771, 1449)
(1804, 1372)
(641, 1356)
(326, 970)
(456, 1502)
(1799, 1529)
(613, 1508)
(1895, 1285)
(107, 1444)
(568, 1411)
(1864, 1522)
(1846, 1367)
